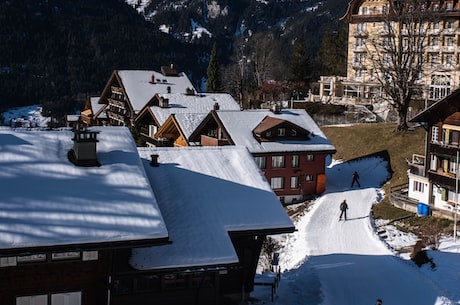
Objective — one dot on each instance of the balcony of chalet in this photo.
(210, 141)
(441, 175)
(417, 165)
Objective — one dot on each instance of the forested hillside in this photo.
(56, 52)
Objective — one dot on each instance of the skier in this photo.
(379, 302)
(343, 208)
(355, 179)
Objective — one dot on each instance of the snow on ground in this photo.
(332, 262)
(29, 116)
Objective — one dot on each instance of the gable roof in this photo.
(240, 125)
(270, 123)
(183, 123)
(48, 202)
(190, 104)
(141, 86)
(204, 193)
(440, 110)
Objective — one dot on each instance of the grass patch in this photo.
(363, 139)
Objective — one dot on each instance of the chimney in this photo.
(152, 80)
(276, 108)
(216, 106)
(154, 161)
(163, 102)
(84, 148)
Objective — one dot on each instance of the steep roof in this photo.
(190, 104)
(46, 201)
(240, 126)
(204, 193)
(141, 85)
(438, 111)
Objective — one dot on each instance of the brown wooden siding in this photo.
(26, 279)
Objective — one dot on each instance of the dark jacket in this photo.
(343, 206)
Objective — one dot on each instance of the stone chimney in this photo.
(84, 148)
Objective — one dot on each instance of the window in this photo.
(310, 157)
(277, 161)
(440, 86)
(309, 177)
(454, 137)
(433, 162)
(294, 182)
(361, 27)
(268, 134)
(277, 183)
(66, 298)
(418, 186)
(32, 300)
(453, 167)
(260, 161)
(434, 133)
(70, 298)
(295, 161)
(281, 132)
(65, 255)
(31, 258)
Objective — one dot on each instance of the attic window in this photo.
(281, 132)
(293, 132)
(268, 134)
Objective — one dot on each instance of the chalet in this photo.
(287, 145)
(188, 108)
(87, 221)
(211, 199)
(69, 212)
(433, 177)
(128, 91)
(93, 113)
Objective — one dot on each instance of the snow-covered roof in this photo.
(188, 122)
(204, 193)
(240, 125)
(140, 89)
(197, 103)
(96, 107)
(48, 201)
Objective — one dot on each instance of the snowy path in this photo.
(332, 262)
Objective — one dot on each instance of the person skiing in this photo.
(355, 179)
(343, 208)
(379, 302)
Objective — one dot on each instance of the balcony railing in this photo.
(417, 165)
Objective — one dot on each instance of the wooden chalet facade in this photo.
(88, 229)
(179, 109)
(128, 91)
(287, 145)
(433, 177)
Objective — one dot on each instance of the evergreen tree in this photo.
(299, 64)
(213, 84)
(331, 58)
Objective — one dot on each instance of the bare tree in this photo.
(398, 56)
(255, 60)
